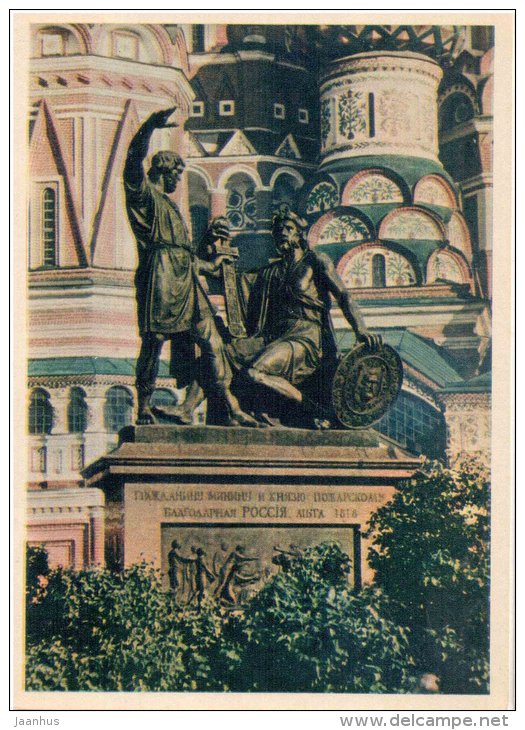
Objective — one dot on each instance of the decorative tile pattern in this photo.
(443, 266)
(358, 271)
(352, 111)
(394, 114)
(343, 229)
(325, 121)
(373, 188)
(241, 207)
(409, 225)
(458, 234)
(432, 191)
(428, 120)
(322, 197)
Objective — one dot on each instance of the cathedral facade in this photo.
(380, 136)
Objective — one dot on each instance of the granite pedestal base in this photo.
(262, 493)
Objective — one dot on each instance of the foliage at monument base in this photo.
(306, 630)
(431, 554)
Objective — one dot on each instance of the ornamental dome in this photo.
(443, 43)
(284, 40)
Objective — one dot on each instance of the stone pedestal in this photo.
(219, 488)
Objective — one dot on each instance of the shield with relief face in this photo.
(365, 385)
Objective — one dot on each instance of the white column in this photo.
(59, 401)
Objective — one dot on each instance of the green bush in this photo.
(98, 630)
(37, 568)
(431, 556)
(307, 631)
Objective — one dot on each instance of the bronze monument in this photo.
(276, 361)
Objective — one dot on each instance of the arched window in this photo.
(378, 271)
(197, 38)
(118, 409)
(77, 411)
(241, 207)
(58, 41)
(40, 412)
(163, 397)
(49, 227)
(456, 109)
(414, 424)
(126, 45)
(284, 190)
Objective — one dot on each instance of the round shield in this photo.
(365, 385)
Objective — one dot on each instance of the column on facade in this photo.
(95, 437)
(484, 197)
(264, 201)
(96, 519)
(59, 401)
(57, 448)
(218, 198)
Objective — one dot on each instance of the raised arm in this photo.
(138, 148)
(351, 312)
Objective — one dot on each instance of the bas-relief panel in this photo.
(238, 560)
(258, 517)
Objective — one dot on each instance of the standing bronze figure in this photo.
(171, 302)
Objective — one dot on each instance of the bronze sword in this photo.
(231, 296)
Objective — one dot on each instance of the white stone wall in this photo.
(468, 419)
(69, 523)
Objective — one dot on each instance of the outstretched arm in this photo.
(138, 148)
(349, 309)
